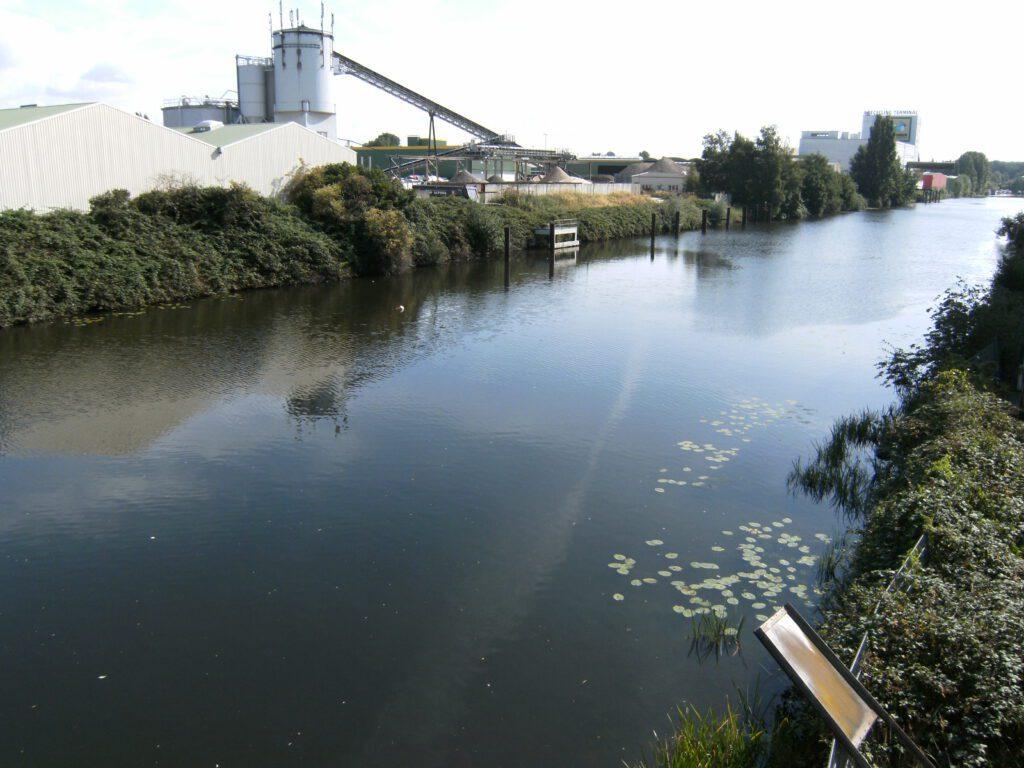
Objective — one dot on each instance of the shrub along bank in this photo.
(332, 221)
(159, 247)
(946, 653)
(946, 650)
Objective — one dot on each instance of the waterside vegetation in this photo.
(945, 652)
(333, 221)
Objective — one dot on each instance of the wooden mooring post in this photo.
(703, 221)
(743, 223)
(508, 250)
(728, 217)
(654, 229)
(675, 223)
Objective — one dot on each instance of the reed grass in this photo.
(729, 739)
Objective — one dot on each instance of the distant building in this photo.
(662, 176)
(61, 156)
(666, 174)
(934, 181)
(840, 146)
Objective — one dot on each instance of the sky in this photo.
(584, 76)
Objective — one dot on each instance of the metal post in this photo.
(703, 221)
(551, 249)
(508, 248)
(728, 216)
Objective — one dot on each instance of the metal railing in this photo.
(837, 758)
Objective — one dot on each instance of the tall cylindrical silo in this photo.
(252, 88)
(303, 79)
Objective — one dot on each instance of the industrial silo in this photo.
(303, 77)
(186, 111)
(255, 88)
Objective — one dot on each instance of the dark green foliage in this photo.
(385, 243)
(946, 653)
(764, 174)
(877, 171)
(163, 246)
(947, 650)
(977, 329)
(384, 140)
(975, 166)
(821, 189)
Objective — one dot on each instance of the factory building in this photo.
(61, 156)
(841, 146)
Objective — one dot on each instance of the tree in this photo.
(713, 161)
(645, 155)
(821, 188)
(385, 140)
(876, 167)
(976, 166)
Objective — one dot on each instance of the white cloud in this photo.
(658, 76)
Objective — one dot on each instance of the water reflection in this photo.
(301, 526)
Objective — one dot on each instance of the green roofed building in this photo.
(63, 155)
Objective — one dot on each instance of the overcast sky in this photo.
(593, 77)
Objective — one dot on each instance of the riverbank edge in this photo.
(181, 244)
(330, 223)
(945, 651)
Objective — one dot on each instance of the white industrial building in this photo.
(841, 146)
(61, 156)
(663, 176)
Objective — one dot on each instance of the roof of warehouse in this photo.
(229, 134)
(9, 118)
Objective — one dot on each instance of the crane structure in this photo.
(489, 144)
(343, 65)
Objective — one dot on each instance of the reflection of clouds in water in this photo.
(489, 605)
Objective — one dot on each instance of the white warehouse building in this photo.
(61, 156)
(841, 146)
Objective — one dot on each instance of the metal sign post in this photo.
(847, 706)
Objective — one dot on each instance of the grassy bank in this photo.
(332, 221)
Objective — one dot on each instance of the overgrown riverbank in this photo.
(333, 221)
(946, 650)
(946, 653)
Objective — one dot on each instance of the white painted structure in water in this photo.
(61, 156)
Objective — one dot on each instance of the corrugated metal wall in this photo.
(62, 161)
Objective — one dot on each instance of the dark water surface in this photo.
(301, 527)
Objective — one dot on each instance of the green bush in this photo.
(385, 244)
(162, 246)
(946, 653)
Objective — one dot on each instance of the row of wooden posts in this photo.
(765, 209)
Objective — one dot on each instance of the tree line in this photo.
(764, 174)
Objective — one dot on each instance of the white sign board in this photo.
(842, 703)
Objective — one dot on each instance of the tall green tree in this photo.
(876, 168)
(821, 188)
(976, 166)
(385, 140)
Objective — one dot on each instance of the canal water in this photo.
(306, 527)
